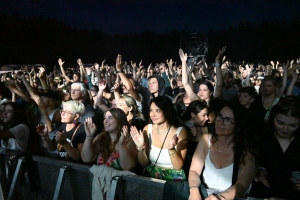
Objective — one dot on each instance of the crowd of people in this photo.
(232, 128)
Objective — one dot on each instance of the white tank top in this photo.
(164, 160)
(217, 180)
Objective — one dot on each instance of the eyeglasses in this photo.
(56, 79)
(66, 112)
(226, 120)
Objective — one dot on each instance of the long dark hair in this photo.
(241, 146)
(194, 107)
(105, 141)
(165, 104)
(19, 115)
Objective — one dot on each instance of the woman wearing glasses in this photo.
(70, 135)
(229, 167)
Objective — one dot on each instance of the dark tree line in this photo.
(44, 40)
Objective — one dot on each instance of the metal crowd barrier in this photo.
(65, 180)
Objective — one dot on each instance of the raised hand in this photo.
(140, 64)
(183, 56)
(79, 62)
(133, 64)
(102, 85)
(119, 62)
(10, 85)
(124, 134)
(137, 137)
(221, 52)
(117, 87)
(103, 61)
(42, 130)
(272, 62)
(89, 127)
(173, 142)
(60, 62)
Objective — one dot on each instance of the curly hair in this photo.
(165, 104)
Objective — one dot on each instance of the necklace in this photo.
(224, 149)
(161, 132)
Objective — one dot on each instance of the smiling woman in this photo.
(279, 152)
(114, 146)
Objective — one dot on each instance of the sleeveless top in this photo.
(216, 180)
(164, 160)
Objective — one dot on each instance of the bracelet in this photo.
(222, 196)
(119, 71)
(170, 154)
(89, 137)
(141, 149)
(193, 186)
(217, 64)
(216, 195)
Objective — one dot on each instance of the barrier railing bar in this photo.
(113, 187)
(16, 178)
(59, 182)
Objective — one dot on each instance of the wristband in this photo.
(217, 64)
(119, 71)
(170, 154)
(141, 149)
(193, 186)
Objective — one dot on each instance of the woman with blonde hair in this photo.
(133, 115)
(70, 135)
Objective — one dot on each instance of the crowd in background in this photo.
(178, 121)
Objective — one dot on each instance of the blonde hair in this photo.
(75, 106)
(130, 102)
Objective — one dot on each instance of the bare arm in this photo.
(284, 80)
(178, 155)
(186, 86)
(219, 84)
(291, 86)
(60, 62)
(196, 167)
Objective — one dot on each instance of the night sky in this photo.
(124, 16)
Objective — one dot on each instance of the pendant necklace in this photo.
(159, 132)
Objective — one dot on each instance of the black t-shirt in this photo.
(78, 138)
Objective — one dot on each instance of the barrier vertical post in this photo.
(61, 178)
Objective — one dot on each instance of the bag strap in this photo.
(75, 132)
(160, 150)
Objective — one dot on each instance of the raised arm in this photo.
(132, 91)
(81, 70)
(90, 148)
(219, 84)
(34, 96)
(291, 86)
(60, 62)
(100, 103)
(284, 79)
(187, 87)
